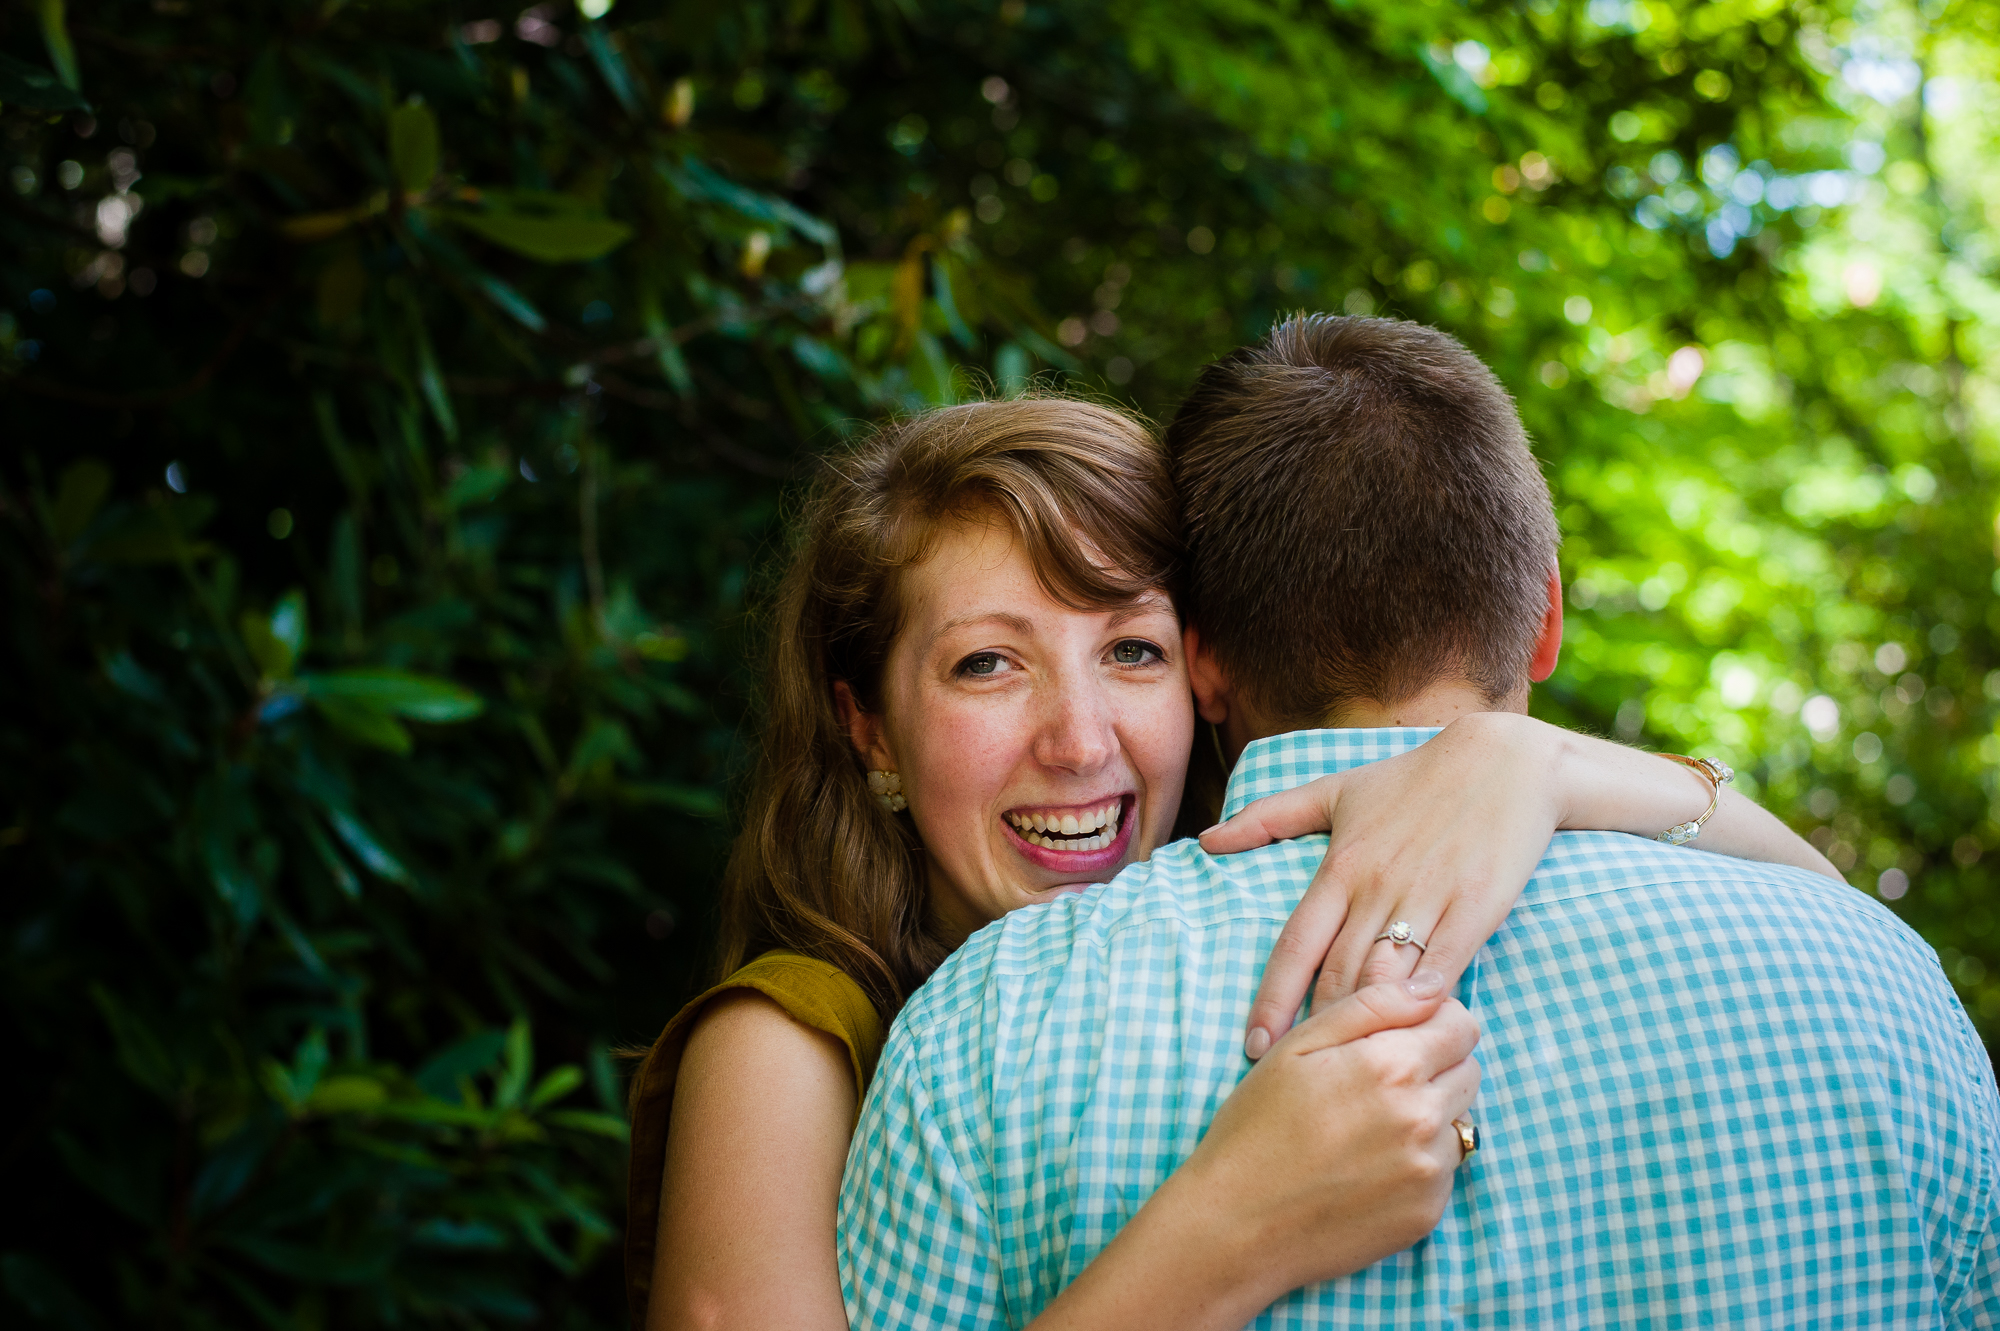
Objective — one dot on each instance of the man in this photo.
(1715, 1090)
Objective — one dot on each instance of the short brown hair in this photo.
(819, 866)
(1363, 517)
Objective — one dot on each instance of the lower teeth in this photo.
(1096, 842)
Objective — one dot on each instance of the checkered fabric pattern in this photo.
(1715, 1092)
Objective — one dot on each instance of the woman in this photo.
(977, 700)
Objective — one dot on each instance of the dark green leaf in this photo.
(549, 238)
(365, 722)
(418, 697)
(612, 66)
(413, 146)
(477, 485)
(23, 84)
(227, 1172)
(348, 1265)
(84, 485)
(367, 849)
(42, 1293)
(125, 1183)
(695, 180)
(474, 1054)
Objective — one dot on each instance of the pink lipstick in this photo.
(1088, 841)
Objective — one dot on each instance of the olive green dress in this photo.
(813, 993)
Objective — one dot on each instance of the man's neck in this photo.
(1438, 705)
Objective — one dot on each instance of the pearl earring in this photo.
(887, 787)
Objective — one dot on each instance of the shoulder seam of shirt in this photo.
(1750, 873)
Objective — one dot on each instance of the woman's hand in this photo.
(1337, 1150)
(1443, 836)
(1446, 835)
(1338, 1147)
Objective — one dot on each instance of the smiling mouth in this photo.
(1078, 830)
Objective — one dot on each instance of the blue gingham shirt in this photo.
(1715, 1091)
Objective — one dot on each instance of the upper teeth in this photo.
(1041, 828)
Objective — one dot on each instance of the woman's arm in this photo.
(763, 1112)
(1333, 1153)
(1446, 835)
(1336, 1151)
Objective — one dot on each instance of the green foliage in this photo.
(398, 407)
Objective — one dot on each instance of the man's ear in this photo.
(864, 729)
(1211, 686)
(1550, 643)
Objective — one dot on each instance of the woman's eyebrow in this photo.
(1145, 605)
(1014, 622)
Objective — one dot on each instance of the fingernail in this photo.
(1257, 1043)
(1206, 830)
(1425, 984)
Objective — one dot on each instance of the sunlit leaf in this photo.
(583, 1120)
(518, 1066)
(55, 36)
(346, 1095)
(558, 1083)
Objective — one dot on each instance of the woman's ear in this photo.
(864, 729)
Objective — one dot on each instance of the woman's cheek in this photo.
(964, 765)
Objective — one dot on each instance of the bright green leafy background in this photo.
(399, 402)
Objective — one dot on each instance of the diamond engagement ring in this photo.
(1399, 934)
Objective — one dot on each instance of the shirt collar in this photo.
(1281, 762)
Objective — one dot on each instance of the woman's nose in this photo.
(1076, 734)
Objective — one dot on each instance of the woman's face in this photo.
(1040, 747)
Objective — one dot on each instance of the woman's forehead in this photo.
(981, 571)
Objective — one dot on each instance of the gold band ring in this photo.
(1468, 1138)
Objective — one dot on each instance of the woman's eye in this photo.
(1135, 652)
(982, 665)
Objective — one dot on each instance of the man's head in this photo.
(1365, 524)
